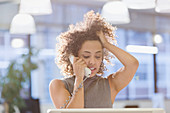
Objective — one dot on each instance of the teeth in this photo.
(92, 68)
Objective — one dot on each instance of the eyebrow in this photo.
(90, 52)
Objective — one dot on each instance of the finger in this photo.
(75, 59)
(101, 32)
(83, 63)
(98, 33)
(79, 60)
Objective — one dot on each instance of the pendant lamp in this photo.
(162, 6)
(35, 7)
(140, 4)
(22, 24)
(115, 12)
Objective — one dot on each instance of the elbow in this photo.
(136, 63)
(133, 63)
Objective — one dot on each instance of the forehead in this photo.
(91, 46)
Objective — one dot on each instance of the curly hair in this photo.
(70, 42)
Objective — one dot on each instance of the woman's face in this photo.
(91, 52)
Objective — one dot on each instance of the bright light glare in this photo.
(142, 49)
(17, 43)
(158, 39)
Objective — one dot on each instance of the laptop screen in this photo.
(108, 110)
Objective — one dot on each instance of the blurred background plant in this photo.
(18, 75)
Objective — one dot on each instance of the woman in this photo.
(90, 43)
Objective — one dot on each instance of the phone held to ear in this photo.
(86, 70)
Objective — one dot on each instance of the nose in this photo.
(92, 61)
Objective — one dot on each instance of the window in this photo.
(141, 87)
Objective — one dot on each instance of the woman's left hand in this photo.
(102, 37)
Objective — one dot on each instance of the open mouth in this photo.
(92, 69)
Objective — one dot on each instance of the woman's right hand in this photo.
(78, 67)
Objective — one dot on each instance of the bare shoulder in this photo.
(56, 83)
(58, 92)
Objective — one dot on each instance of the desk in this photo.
(108, 110)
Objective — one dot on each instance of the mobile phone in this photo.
(87, 71)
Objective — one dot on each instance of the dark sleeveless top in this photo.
(96, 91)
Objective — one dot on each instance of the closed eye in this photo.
(98, 57)
(86, 56)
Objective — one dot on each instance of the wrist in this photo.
(79, 78)
(78, 81)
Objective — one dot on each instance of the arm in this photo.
(125, 74)
(77, 100)
(59, 94)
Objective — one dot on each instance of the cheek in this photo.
(99, 63)
(85, 60)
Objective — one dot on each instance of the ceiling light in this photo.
(17, 43)
(158, 39)
(140, 4)
(162, 6)
(35, 7)
(142, 49)
(22, 24)
(115, 12)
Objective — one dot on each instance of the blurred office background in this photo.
(141, 29)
